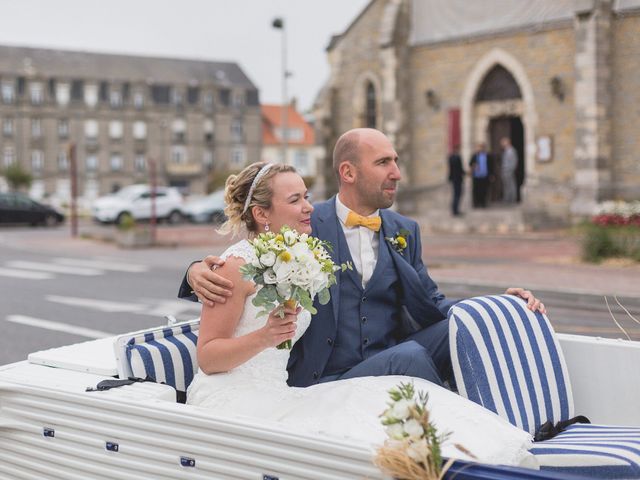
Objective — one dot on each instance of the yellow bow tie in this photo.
(355, 220)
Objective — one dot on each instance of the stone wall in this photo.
(626, 106)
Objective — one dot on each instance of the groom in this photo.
(385, 317)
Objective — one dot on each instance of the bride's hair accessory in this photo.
(257, 178)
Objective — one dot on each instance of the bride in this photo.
(243, 374)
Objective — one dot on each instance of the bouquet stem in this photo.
(291, 304)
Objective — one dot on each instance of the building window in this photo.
(176, 96)
(140, 162)
(36, 127)
(207, 126)
(8, 92)
(138, 99)
(91, 95)
(115, 97)
(224, 95)
(207, 159)
(63, 93)
(116, 162)
(8, 156)
(161, 94)
(237, 158)
(301, 162)
(236, 129)
(7, 127)
(193, 95)
(37, 93)
(63, 161)
(371, 114)
(179, 155)
(179, 127)
(139, 130)
(293, 134)
(91, 163)
(63, 128)
(115, 129)
(91, 129)
(37, 160)
(77, 90)
(208, 100)
(237, 100)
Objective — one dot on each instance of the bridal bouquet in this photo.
(290, 269)
(413, 449)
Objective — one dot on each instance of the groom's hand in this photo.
(533, 303)
(209, 287)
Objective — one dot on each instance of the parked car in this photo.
(16, 208)
(209, 209)
(135, 201)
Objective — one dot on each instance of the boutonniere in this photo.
(399, 241)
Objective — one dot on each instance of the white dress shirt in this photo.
(362, 242)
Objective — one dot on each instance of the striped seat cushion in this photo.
(596, 451)
(507, 359)
(167, 355)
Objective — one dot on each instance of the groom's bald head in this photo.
(346, 150)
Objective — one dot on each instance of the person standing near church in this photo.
(456, 177)
(508, 171)
(482, 173)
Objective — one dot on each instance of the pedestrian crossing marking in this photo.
(100, 305)
(102, 265)
(25, 274)
(48, 267)
(57, 326)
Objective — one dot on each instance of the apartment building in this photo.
(190, 117)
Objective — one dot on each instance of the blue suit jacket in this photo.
(418, 295)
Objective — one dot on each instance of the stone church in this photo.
(561, 78)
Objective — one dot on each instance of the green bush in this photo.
(126, 223)
(17, 177)
(601, 242)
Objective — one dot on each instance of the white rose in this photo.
(284, 271)
(269, 276)
(413, 428)
(304, 237)
(268, 259)
(400, 409)
(284, 290)
(395, 431)
(302, 253)
(418, 451)
(289, 237)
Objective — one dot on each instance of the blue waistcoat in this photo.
(362, 331)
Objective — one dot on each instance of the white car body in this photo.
(209, 209)
(135, 200)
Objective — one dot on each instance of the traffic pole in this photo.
(153, 182)
(73, 172)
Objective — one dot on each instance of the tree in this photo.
(17, 177)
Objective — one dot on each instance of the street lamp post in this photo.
(278, 23)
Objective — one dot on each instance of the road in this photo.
(49, 299)
(56, 292)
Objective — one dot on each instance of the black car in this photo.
(17, 208)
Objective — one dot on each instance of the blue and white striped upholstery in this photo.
(598, 451)
(507, 359)
(167, 355)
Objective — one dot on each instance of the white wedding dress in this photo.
(348, 409)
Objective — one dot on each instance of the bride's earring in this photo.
(266, 227)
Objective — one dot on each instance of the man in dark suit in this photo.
(481, 165)
(456, 178)
(386, 317)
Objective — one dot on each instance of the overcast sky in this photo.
(234, 30)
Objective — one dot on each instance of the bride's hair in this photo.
(235, 196)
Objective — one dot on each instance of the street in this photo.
(58, 291)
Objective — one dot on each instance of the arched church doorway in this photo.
(497, 112)
(512, 128)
